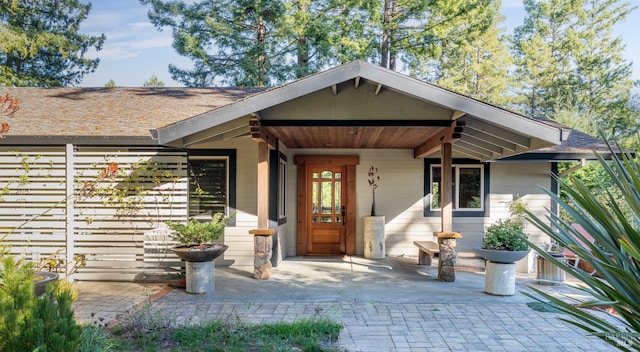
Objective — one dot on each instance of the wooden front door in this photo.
(326, 209)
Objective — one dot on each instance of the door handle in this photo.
(343, 213)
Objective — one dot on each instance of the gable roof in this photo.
(513, 133)
(125, 116)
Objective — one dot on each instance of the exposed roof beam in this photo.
(499, 132)
(471, 154)
(482, 144)
(473, 148)
(378, 88)
(357, 84)
(260, 134)
(447, 135)
(583, 163)
(218, 130)
(457, 114)
(334, 89)
(490, 139)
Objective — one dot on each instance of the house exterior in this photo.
(294, 159)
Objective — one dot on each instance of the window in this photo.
(212, 183)
(470, 187)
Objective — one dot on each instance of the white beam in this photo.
(378, 88)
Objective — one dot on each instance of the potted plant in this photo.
(197, 251)
(195, 238)
(504, 242)
(374, 246)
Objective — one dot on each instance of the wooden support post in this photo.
(447, 199)
(263, 185)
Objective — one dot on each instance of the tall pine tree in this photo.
(40, 44)
(232, 42)
(477, 67)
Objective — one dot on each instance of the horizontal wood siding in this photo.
(32, 206)
(126, 238)
(117, 244)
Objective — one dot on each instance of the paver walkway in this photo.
(390, 305)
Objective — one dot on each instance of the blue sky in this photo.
(135, 50)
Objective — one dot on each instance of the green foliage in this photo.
(110, 84)
(614, 225)
(153, 82)
(239, 43)
(305, 335)
(96, 339)
(247, 43)
(196, 232)
(28, 322)
(40, 44)
(572, 68)
(505, 235)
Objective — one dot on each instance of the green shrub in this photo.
(29, 323)
(505, 235)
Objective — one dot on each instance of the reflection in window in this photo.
(207, 186)
(470, 191)
(467, 190)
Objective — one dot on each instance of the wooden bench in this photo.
(426, 251)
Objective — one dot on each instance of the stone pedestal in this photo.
(263, 248)
(374, 237)
(200, 277)
(500, 279)
(447, 261)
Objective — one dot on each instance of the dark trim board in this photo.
(355, 123)
(536, 157)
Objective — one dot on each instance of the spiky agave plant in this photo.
(615, 252)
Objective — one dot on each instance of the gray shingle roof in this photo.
(108, 112)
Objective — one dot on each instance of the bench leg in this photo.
(424, 258)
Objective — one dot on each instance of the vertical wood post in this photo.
(70, 208)
(263, 185)
(447, 199)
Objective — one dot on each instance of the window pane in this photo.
(326, 197)
(469, 189)
(314, 197)
(207, 186)
(337, 200)
(435, 187)
(326, 174)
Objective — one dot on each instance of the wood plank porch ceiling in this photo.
(353, 136)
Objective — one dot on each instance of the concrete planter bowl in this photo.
(200, 267)
(206, 253)
(42, 278)
(504, 257)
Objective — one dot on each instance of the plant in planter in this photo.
(506, 236)
(374, 246)
(195, 237)
(504, 243)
